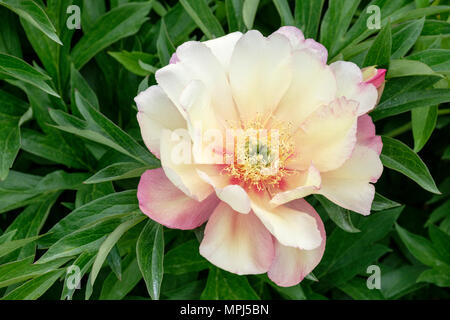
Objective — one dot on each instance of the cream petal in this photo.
(313, 85)
(201, 64)
(351, 85)
(260, 73)
(327, 138)
(298, 185)
(290, 227)
(223, 48)
(177, 162)
(349, 186)
(236, 242)
(234, 195)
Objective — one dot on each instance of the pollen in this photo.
(260, 154)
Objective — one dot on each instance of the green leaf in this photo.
(20, 70)
(399, 157)
(379, 53)
(118, 171)
(9, 37)
(118, 23)
(422, 3)
(11, 112)
(404, 39)
(106, 247)
(34, 14)
(78, 83)
(339, 215)
(114, 262)
(52, 55)
(124, 202)
(35, 288)
(441, 241)
(358, 290)
(50, 147)
(403, 68)
(348, 254)
(249, 12)
(150, 257)
(203, 17)
(336, 21)
(439, 276)
(381, 203)
(234, 9)
(222, 285)
(14, 245)
(307, 16)
(400, 281)
(100, 129)
(90, 192)
(164, 44)
(285, 12)
(423, 123)
(185, 258)
(437, 59)
(132, 61)
(86, 239)
(114, 289)
(19, 189)
(83, 263)
(439, 213)
(22, 270)
(420, 247)
(410, 100)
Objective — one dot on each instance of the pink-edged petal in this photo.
(327, 138)
(166, 204)
(298, 42)
(174, 58)
(234, 195)
(260, 73)
(291, 265)
(291, 227)
(156, 113)
(351, 85)
(298, 185)
(374, 76)
(238, 243)
(366, 134)
(313, 85)
(179, 167)
(350, 186)
(295, 35)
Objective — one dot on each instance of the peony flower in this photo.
(246, 127)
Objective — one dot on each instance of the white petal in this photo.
(156, 112)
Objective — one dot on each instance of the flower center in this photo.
(260, 155)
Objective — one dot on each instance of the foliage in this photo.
(71, 153)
